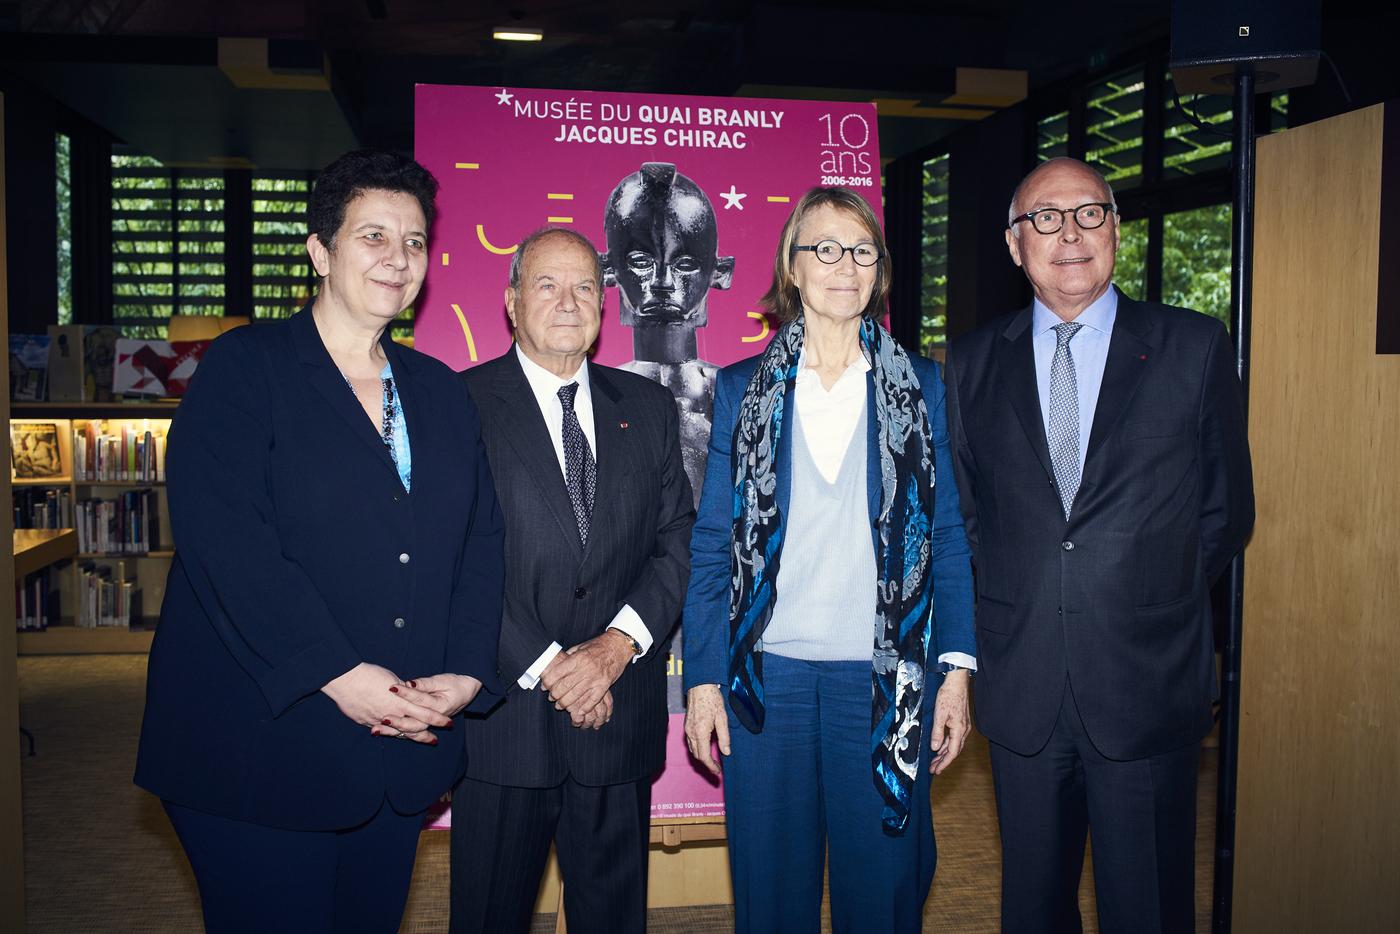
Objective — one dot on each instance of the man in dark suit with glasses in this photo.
(1099, 444)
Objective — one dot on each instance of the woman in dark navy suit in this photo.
(338, 535)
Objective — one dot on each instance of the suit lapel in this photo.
(609, 437)
(517, 419)
(323, 374)
(1016, 369)
(1129, 351)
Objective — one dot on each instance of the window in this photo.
(167, 244)
(1130, 271)
(63, 165)
(1113, 128)
(282, 274)
(933, 260)
(1196, 260)
(1189, 150)
(1052, 136)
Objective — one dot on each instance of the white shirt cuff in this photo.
(630, 624)
(960, 659)
(531, 677)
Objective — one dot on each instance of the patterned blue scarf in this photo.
(903, 623)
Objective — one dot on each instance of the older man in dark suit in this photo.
(1100, 449)
(598, 513)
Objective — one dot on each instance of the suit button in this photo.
(396, 497)
(398, 622)
(403, 558)
(580, 593)
(1067, 546)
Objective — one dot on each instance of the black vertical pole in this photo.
(1241, 294)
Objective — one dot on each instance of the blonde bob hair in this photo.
(782, 300)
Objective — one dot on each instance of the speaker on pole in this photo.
(1242, 48)
(1278, 41)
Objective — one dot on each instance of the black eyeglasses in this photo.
(1049, 220)
(830, 252)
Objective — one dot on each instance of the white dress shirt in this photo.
(829, 417)
(545, 385)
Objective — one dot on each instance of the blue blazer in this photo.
(300, 555)
(706, 619)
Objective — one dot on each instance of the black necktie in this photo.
(580, 474)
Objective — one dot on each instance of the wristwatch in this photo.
(636, 646)
(947, 667)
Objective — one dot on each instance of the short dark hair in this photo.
(357, 172)
(517, 262)
(782, 299)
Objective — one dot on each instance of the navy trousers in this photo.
(1141, 814)
(801, 794)
(500, 843)
(265, 879)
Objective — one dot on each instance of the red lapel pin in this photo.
(624, 424)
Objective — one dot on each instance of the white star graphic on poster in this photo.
(733, 198)
(504, 97)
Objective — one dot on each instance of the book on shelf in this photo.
(127, 524)
(81, 362)
(29, 367)
(154, 367)
(34, 450)
(128, 454)
(42, 508)
(106, 597)
(36, 601)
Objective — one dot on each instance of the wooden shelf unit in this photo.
(149, 569)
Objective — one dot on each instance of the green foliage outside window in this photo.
(1130, 270)
(1196, 260)
(1113, 134)
(63, 166)
(167, 245)
(933, 246)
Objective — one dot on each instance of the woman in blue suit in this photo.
(830, 595)
(337, 533)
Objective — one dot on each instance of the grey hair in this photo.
(517, 261)
(1012, 213)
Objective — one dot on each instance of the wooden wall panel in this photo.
(1318, 845)
(11, 816)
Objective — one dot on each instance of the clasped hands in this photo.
(579, 680)
(375, 697)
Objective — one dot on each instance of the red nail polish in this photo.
(413, 684)
(449, 725)
(393, 689)
(385, 721)
(434, 742)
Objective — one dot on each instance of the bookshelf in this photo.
(107, 495)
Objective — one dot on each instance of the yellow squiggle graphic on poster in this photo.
(758, 315)
(498, 250)
(467, 331)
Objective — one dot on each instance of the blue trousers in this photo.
(266, 879)
(802, 793)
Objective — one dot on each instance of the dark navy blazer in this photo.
(1116, 599)
(706, 619)
(299, 555)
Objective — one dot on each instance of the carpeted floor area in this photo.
(101, 857)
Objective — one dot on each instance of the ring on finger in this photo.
(400, 734)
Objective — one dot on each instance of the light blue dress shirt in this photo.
(1089, 348)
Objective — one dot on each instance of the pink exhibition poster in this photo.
(684, 196)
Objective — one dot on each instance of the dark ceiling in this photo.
(290, 85)
(155, 74)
